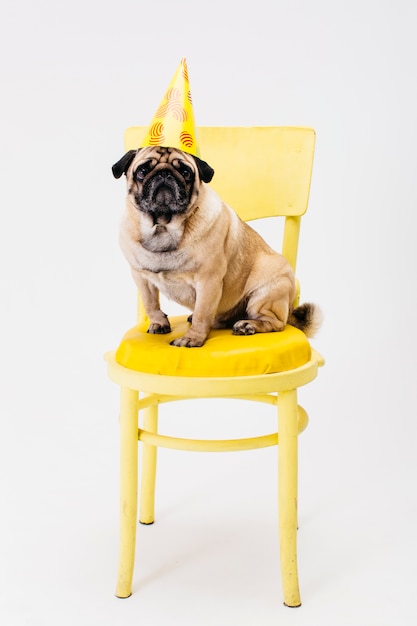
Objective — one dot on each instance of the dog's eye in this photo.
(142, 171)
(186, 173)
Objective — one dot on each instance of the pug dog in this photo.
(182, 240)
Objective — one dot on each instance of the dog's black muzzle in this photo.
(163, 195)
(164, 189)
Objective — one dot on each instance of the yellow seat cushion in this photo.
(223, 354)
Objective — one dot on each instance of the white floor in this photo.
(211, 558)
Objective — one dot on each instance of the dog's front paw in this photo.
(244, 327)
(187, 342)
(159, 329)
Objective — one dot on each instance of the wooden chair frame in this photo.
(144, 392)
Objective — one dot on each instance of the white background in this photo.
(74, 75)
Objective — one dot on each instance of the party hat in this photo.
(173, 124)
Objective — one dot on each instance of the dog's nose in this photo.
(165, 175)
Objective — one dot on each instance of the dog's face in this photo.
(162, 182)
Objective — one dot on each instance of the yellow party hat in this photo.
(173, 124)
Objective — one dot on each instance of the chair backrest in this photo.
(260, 171)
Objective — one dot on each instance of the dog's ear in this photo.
(122, 166)
(206, 172)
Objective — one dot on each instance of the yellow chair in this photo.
(260, 172)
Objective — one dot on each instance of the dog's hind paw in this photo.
(244, 327)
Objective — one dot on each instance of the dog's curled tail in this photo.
(307, 317)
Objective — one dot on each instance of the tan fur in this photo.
(204, 258)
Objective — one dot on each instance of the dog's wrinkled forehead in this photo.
(160, 157)
(169, 156)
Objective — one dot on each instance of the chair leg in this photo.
(128, 489)
(287, 494)
(149, 457)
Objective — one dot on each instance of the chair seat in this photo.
(223, 354)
